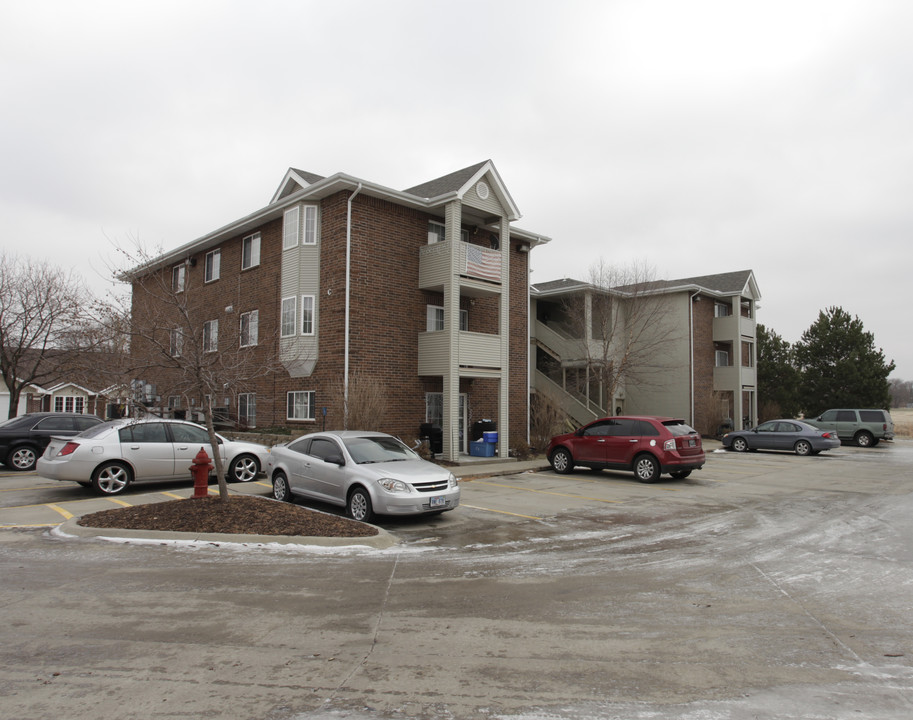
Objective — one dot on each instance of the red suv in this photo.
(649, 446)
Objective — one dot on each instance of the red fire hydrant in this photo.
(200, 471)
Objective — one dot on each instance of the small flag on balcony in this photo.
(483, 263)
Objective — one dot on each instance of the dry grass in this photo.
(903, 422)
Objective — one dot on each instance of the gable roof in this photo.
(741, 282)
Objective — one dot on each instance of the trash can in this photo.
(434, 435)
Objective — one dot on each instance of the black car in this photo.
(24, 438)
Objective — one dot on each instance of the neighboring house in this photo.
(5, 400)
(423, 291)
(702, 351)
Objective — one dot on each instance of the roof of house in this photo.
(722, 284)
(449, 183)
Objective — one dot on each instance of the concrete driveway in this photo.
(764, 586)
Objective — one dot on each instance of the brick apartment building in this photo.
(424, 292)
(704, 367)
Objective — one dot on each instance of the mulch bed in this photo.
(239, 515)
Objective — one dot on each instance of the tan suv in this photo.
(864, 427)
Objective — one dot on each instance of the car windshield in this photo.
(16, 422)
(679, 428)
(377, 449)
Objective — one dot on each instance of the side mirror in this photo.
(335, 460)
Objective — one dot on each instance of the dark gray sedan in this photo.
(792, 435)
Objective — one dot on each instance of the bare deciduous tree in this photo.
(365, 405)
(623, 326)
(188, 349)
(41, 310)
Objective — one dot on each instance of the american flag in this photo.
(483, 263)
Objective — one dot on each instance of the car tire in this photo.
(562, 462)
(22, 458)
(281, 490)
(739, 444)
(865, 439)
(243, 468)
(111, 478)
(680, 474)
(803, 447)
(358, 505)
(646, 468)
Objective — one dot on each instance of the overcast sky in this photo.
(700, 137)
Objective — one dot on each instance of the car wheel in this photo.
(803, 447)
(739, 444)
(244, 468)
(646, 468)
(281, 489)
(22, 458)
(111, 478)
(562, 462)
(680, 474)
(865, 439)
(359, 505)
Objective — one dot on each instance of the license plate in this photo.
(437, 501)
(691, 443)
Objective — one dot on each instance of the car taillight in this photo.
(68, 449)
(669, 445)
(825, 435)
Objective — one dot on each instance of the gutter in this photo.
(345, 376)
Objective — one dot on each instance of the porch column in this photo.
(451, 385)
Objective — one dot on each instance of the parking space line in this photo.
(66, 514)
(500, 512)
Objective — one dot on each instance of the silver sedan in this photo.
(112, 455)
(364, 472)
(792, 435)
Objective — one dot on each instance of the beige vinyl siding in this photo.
(301, 276)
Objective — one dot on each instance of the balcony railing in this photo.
(473, 261)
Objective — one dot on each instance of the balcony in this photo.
(478, 351)
(733, 327)
(478, 267)
(734, 378)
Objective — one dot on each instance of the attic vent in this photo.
(482, 190)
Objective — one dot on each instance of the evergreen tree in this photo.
(840, 365)
(778, 378)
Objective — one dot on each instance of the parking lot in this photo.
(763, 586)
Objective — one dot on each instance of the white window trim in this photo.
(309, 231)
(178, 278)
(211, 328)
(248, 399)
(216, 273)
(431, 319)
(254, 239)
(253, 328)
(312, 301)
(291, 227)
(293, 325)
(310, 405)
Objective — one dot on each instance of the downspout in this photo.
(345, 376)
(691, 349)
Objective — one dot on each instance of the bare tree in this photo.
(41, 310)
(622, 325)
(187, 346)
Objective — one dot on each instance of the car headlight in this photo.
(392, 485)
(452, 481)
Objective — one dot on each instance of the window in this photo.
(287, 319)
(722, 358)
(70, 403)
(177, 278)
(434, 409)
(290, 228)
(247, 409)
(250, 251)
(213, 266)
(436, 232)
(301, 405)
(747, 354)
(250, 322)
(310, 224)
(153, 432)
(211, 336)
(721, 310)
(174, 402)
(177, 342)
(307, 314)
(436, 319)
(182, 433)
